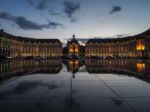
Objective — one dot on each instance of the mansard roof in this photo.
(135, 37)
(26, 39)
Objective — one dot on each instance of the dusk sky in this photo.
(84, 18)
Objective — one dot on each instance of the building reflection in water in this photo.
(54, 66)
(140, 67)
(27, 66)
(124, 67)
(73, 65)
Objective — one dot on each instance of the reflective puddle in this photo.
(57, 85)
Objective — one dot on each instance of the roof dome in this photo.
(73, 40)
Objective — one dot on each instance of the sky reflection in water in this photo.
(75, 86)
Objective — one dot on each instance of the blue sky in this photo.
(85, 18)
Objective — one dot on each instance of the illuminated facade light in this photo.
(140, 67)
(140, 46)
(76, 50)
(101, 48)
(73, 47)
(25, 47)
(70, 62)
(71, 50)
(76, 62)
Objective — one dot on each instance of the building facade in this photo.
(13, 46)
(137, 46)
(74, 49)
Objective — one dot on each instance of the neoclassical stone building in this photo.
(14, 46)
(73, 49)
(137, 46)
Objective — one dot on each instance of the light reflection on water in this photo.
(74, 85)
(54, 66)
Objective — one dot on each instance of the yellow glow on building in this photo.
(140, 46)
(73, 63)
(76, 50)
(70, 50)
(70, 62)
(76, 62)
(140, 67)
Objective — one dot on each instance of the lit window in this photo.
(70, 62)
(140, 67)
(140, 46)
(70, 50)
(76, 50)
(76, 62)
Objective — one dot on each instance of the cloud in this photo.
(30, 2)
(55, 13)
(70, 8)
(115, 9)
(40, 4)
(26, 24)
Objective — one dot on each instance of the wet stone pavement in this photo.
(74, 91)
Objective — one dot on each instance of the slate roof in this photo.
(105, 40)
(26, 39)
